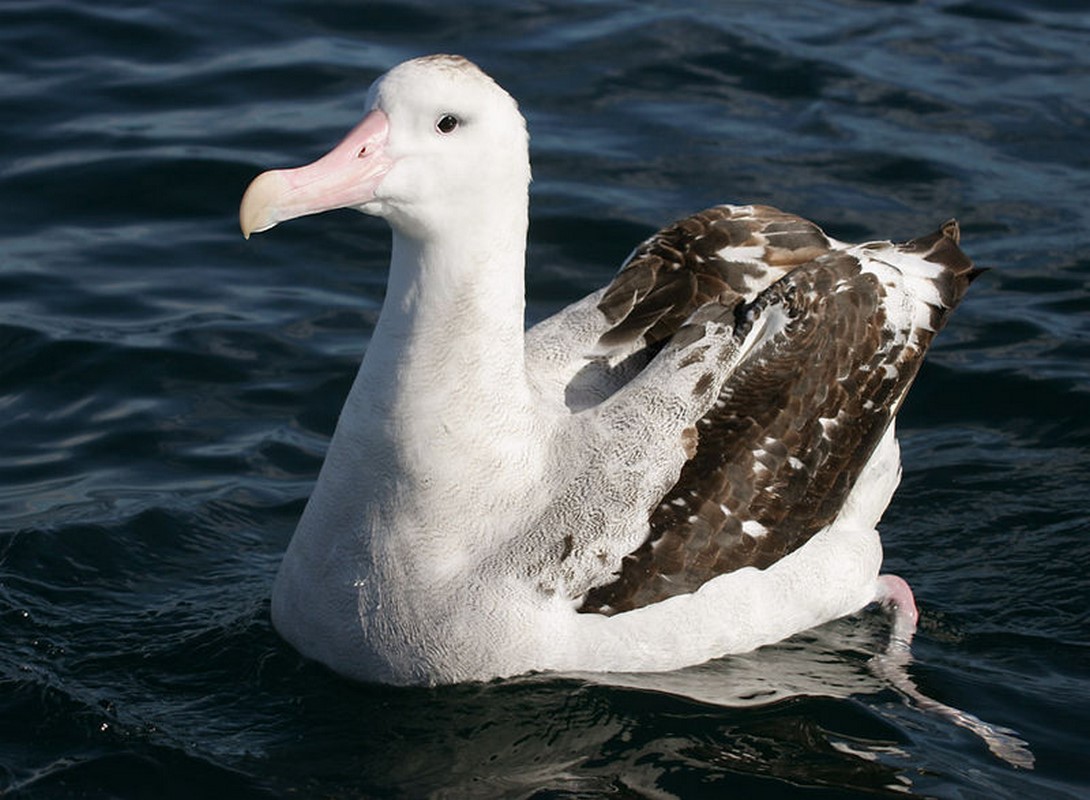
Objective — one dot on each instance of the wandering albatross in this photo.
(690, 462)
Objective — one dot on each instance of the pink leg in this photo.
(894, 591)
(893, 665)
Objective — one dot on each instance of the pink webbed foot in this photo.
(895, 593)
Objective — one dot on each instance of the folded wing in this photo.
(793, 427)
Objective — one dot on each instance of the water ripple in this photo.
(167, 390)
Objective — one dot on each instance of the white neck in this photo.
(452, 321)
(447, 349)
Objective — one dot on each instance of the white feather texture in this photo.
(483, 478)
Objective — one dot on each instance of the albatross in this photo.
(690, 462)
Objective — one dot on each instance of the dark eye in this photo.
(446, 123)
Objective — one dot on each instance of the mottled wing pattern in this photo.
(795, 424)
(727, 254)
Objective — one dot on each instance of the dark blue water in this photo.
(167, 390)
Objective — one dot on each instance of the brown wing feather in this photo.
(784, 445)
(725, 253)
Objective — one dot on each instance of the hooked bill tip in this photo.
(257, 212)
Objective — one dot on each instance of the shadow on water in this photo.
(180, 699)
(758, 722)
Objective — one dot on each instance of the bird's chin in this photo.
(378, 207)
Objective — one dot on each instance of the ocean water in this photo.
(167, 389)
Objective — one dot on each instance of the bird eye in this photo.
(446, 123)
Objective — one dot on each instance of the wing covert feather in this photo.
(793, 427)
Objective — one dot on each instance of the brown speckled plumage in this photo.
(795, 424)
(697, 260)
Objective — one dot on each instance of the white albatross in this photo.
(687, 463)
